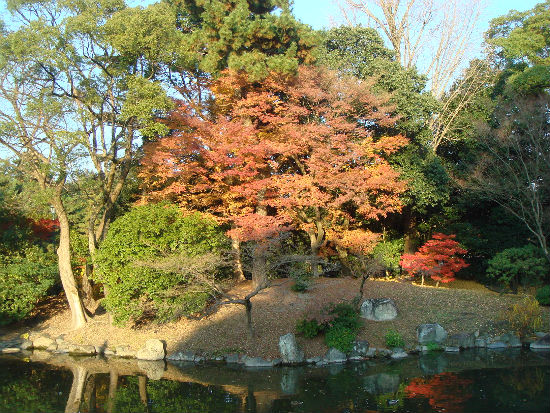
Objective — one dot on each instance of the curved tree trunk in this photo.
(78, 316)
(237, 263)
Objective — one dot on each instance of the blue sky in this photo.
(317, 13)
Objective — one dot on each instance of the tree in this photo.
(519, 44)
(70, 98)
(289, 150)
(433, 35)
(514, 170)
(436, 258)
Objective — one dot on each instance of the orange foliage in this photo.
(445, 392)
(289, 151)
(436, 258)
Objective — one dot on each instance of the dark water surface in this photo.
(473, 381)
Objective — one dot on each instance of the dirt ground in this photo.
(459, 306)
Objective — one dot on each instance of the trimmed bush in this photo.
(389, 254)
(394, 339)
(145, 235)
(340, 337)
(543, 295)
(25, 278)
(514, 266)
(308, 328)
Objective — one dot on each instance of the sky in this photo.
(317, 13)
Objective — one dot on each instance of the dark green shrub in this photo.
(526, 265)
(24, 279)
(300, 285)
(145, 235)
(308, 328)
(344, 315)
(340, 337)
(543, 295)
(394, 339)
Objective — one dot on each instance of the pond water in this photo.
(473, 381)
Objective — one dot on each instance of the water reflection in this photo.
(440, 382)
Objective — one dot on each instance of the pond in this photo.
(472, 381)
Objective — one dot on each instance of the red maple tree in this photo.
(298, 152)
(437, 258)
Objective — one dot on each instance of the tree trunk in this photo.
(409, 230)
(237, 263)
(249, 324)
(78, 316)
(343, 258)
(259, 266)
(77, 389)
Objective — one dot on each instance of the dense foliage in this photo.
(138, 238)
(313, 152)
(519, 266)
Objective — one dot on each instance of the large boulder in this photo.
(42, 341)
(289, 349)
(542, 343)
(379, 309)
(335, 356)
(430, 333)
(153, 350)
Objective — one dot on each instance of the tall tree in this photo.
(73, 100)
(298, 150)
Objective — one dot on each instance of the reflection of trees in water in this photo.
(26, 387)
(527, 383)
(444, 391)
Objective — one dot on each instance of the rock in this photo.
(335, 356)
(398, 353)
(42, 341)
(289, 349)
(109, 351)
(542, 343)
(52, 347)
(462, 340)
(257, 362)
(480, 342)
(379, 309)
(540, 334)
(232, 358)
(430, 333)
(371, 352)
(497, 345)
(125, 352)
(87, 350)
(154, 369)
(182, 356)
(384, 352)
(512, 340)
(452, 349)
(26, 345)
(359, 350)
(153, 350)
(10, 350)
(381, 383)
(314, 360)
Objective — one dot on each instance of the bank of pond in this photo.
(477, 380)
